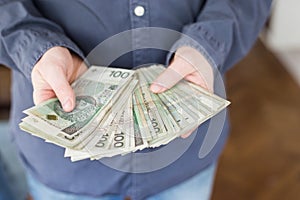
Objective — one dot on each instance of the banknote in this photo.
(117, 114)
(94, 92)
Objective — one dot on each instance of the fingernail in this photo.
(67, 105)
(156, 88)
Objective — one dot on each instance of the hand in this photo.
(189, 64)
(53, 74)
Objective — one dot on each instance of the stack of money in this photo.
(116, 113)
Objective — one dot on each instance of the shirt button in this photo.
(139, 11)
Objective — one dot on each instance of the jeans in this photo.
(199, 187)
(5, 191)
(13, 185)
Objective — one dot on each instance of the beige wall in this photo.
(284, 32)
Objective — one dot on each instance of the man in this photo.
(44, 42)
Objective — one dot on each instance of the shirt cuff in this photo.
(186, 41)
(27, 56)
(204, 42)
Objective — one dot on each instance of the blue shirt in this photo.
(223, 31)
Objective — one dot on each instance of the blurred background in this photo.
(262, 157)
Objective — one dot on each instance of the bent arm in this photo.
(25, 35)
(225, 30)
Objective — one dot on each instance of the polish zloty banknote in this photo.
(94, 91)
(116, 113)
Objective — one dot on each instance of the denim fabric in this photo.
(13, 185)
(5, 190)
(198, 187)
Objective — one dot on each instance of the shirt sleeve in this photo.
(225, 30)
(25, 35)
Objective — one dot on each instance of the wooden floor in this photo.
(262, 157)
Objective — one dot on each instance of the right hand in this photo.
(53, 74)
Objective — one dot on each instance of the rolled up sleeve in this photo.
(25, 35)
(225, 30)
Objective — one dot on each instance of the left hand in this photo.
(189, 64)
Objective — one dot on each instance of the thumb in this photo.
(62, 88)
(172, 75)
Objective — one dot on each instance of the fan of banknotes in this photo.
(116, 113)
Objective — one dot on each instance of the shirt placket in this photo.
(140, 18)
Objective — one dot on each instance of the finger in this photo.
(186, 135)
(82, 69)
(41, 89)
(40, 95)
(172, 75)
(79, 68)
(199, 80)
(57, 80)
